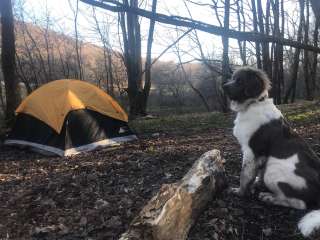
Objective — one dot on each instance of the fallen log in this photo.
(170, 214)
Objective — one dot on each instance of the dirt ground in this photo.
(95, 195)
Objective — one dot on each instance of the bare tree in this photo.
(75, 11)
(8, 59)
(255, 28)
(276, 77)
(243, 51)
(316, 8)
(225, 55)
(313, 71)
(147, 76)
(137, 91)
(291, 90)
(264, 29)
(187, 77)
(306, 53)
(103, 32)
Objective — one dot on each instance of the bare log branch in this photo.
(170, 214)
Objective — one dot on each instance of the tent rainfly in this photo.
(67, 117)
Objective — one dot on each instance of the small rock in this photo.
(49, 202)
(83, 221)
(126, 201)
(155, 135)
(101, 204)
(212, 222)
(63, 229)
(215, 236)
(221, 203)
(47, 229)
(168, 175)
(267, 232)
(92, 177)
(114, 221)
(238, 212)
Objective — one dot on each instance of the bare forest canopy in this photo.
(198, 25)
(43, 55)
(267, 27)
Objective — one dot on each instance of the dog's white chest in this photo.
(249, 121)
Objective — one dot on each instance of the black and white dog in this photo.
(288, 167)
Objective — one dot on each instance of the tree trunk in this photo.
(107, 54)
(147, 76)
(276, 90)
(315, 58)
(291, 91)
(281, 71)
(132, 54)
(77, 42)
(255, 28)
(264, 29)
(8, 59)
(110, 72)
(306, 55)
(137, 93)
(316, 8)
(170, 214)
(225, 55)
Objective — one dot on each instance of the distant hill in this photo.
(44, 55)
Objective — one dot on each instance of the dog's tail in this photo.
(309, 223)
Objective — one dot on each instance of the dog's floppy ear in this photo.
(254, 85)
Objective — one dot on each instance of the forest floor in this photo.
(95, 195)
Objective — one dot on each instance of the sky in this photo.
(62, 15)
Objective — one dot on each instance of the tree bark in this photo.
(8, 59)
(306, 54)
(291, 91)
(170, 214)
(132, 54)
(281, 71)
(313, 72)
(264, 29)
(316, 8)
(255, 28)
(276, 89)
(77, 42)
(147, 76)
(226, 72)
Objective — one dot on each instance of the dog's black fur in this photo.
(277, 139)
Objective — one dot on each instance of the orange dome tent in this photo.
(68, 117)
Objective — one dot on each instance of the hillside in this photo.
(44, 55)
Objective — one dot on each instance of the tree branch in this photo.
(202, 26)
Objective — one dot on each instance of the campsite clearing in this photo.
(95, 195)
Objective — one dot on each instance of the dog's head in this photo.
(246, 85)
